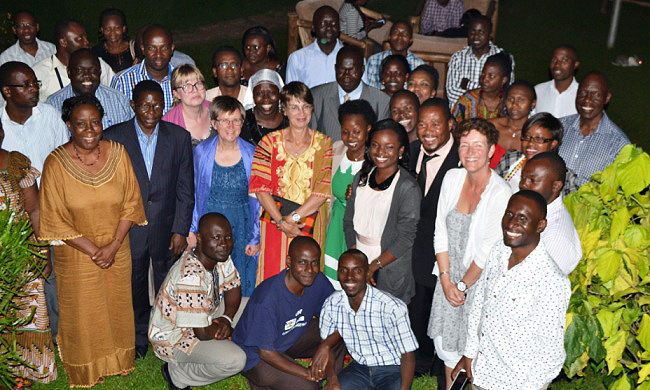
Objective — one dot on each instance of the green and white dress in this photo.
(335, 243)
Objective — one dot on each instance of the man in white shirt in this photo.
(28, 48)
(515, 328)
(314, 63)
(558, 96)
(545, 174)
(52, 71)
(226, 69)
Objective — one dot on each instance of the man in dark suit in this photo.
(161, 155)
(348, 86)
(432, 155)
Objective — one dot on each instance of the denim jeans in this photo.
(359, 377)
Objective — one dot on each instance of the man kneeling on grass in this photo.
(186, 330)
(375, 327)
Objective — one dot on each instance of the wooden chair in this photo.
(299, 23)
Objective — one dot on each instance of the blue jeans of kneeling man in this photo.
(359, 377)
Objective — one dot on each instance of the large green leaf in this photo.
(644, 386)
(621, 383)
(644, 372)
(572, 337)
(593, 340)
(609, 321)
(609, 263)
(619, 222)
(615, 346)
(636, 236)
(578, 365)
(644, 332)
(634, 175)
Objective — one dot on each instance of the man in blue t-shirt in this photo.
(280, 323)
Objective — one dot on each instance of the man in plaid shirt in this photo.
(439, 15)
(375, 327)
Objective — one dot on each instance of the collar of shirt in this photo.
(572, 86)
(556, 205)
(354, 95)
(142, 137)
(604, 125)
(142, 69)
(313, 47)
(442, 153)
(36, 111)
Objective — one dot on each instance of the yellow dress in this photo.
(96, 329)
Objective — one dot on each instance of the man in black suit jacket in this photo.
(432, 155)
(348, 86)
(161, 155)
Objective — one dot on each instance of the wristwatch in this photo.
(462, 287)
(296, 217)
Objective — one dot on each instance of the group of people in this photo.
(330, 206)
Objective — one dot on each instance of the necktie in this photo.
(422, 176)
(346, 97)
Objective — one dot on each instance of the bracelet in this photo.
(226, 317)
(379, 264)
(443, 272)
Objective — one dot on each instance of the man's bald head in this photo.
(210, 219)
(303, 242)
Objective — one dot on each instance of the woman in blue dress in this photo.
(222, 169)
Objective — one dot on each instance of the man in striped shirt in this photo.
(375, 327)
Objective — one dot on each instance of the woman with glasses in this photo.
(292, 180)
(541, 133)
(190, 110)
(222, 170)
(520, 101)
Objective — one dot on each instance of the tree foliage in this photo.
(608, 321)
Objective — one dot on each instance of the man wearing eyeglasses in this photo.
(84, 72)
(226, 69)
(31, 128)
(158, 48)
(161, 155)
(28, 48)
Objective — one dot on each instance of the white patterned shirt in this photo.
(550, 100)
(377, 334)
(464, 64)
(515, 328)
(561, 237)
(311, 66)
(16, 53)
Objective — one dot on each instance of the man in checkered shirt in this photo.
(375, 327)
(466, 64)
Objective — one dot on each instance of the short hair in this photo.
(354, 50)
(400, 59)
(154, 26)
(407, 93)
(263, 32)
(567, 47)
(146, 86)
(358, 107)
(479, 124)
(597, 73)
(482, 18)
(320, 10)
(301, 240)
(70, 104)
(441, 103)
(7, 70)
(431, 71)
(503, 60)
(61, 28)
(108, 12)
(83, 51)
(207, 216)
(403, 138)
(538, 199)
(185, 70)
(558, 166)
(296, 90)
(546, 121)
(524, 84)
(224, 104)
(23, 11)
(401, 22)
(225, 49)
(356, 252)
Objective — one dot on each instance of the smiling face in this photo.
(393, 76)
(478, 36)
(385, 149)
(228, 125)
(522, 222)
(349, 69)
(421, 83)
(85, 125)
(434, 130)
(563, 64)
(25, 28)
(148, 109)
(158, 49)
(519, 102)
(298, 112)
(266, 97)
(354, 130)
(400, 37)
(304, 264)
(256, 49)
(592, 96)
(326, 26)
(474, 151)
(492, 78)
(84, 72)
(531, 147)
(228, 70)
(215, 239)
(113, 29)
(538, 176)
(403, 109)
(351, 274)
(23, 97)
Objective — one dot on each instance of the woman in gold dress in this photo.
(90, 198)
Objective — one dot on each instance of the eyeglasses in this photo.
(187, 87)
(145, 107)
(224, 66)
(537, 140)
(228, 122)
(23, 26)
(29, 84)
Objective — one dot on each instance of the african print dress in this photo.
(295, 178)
